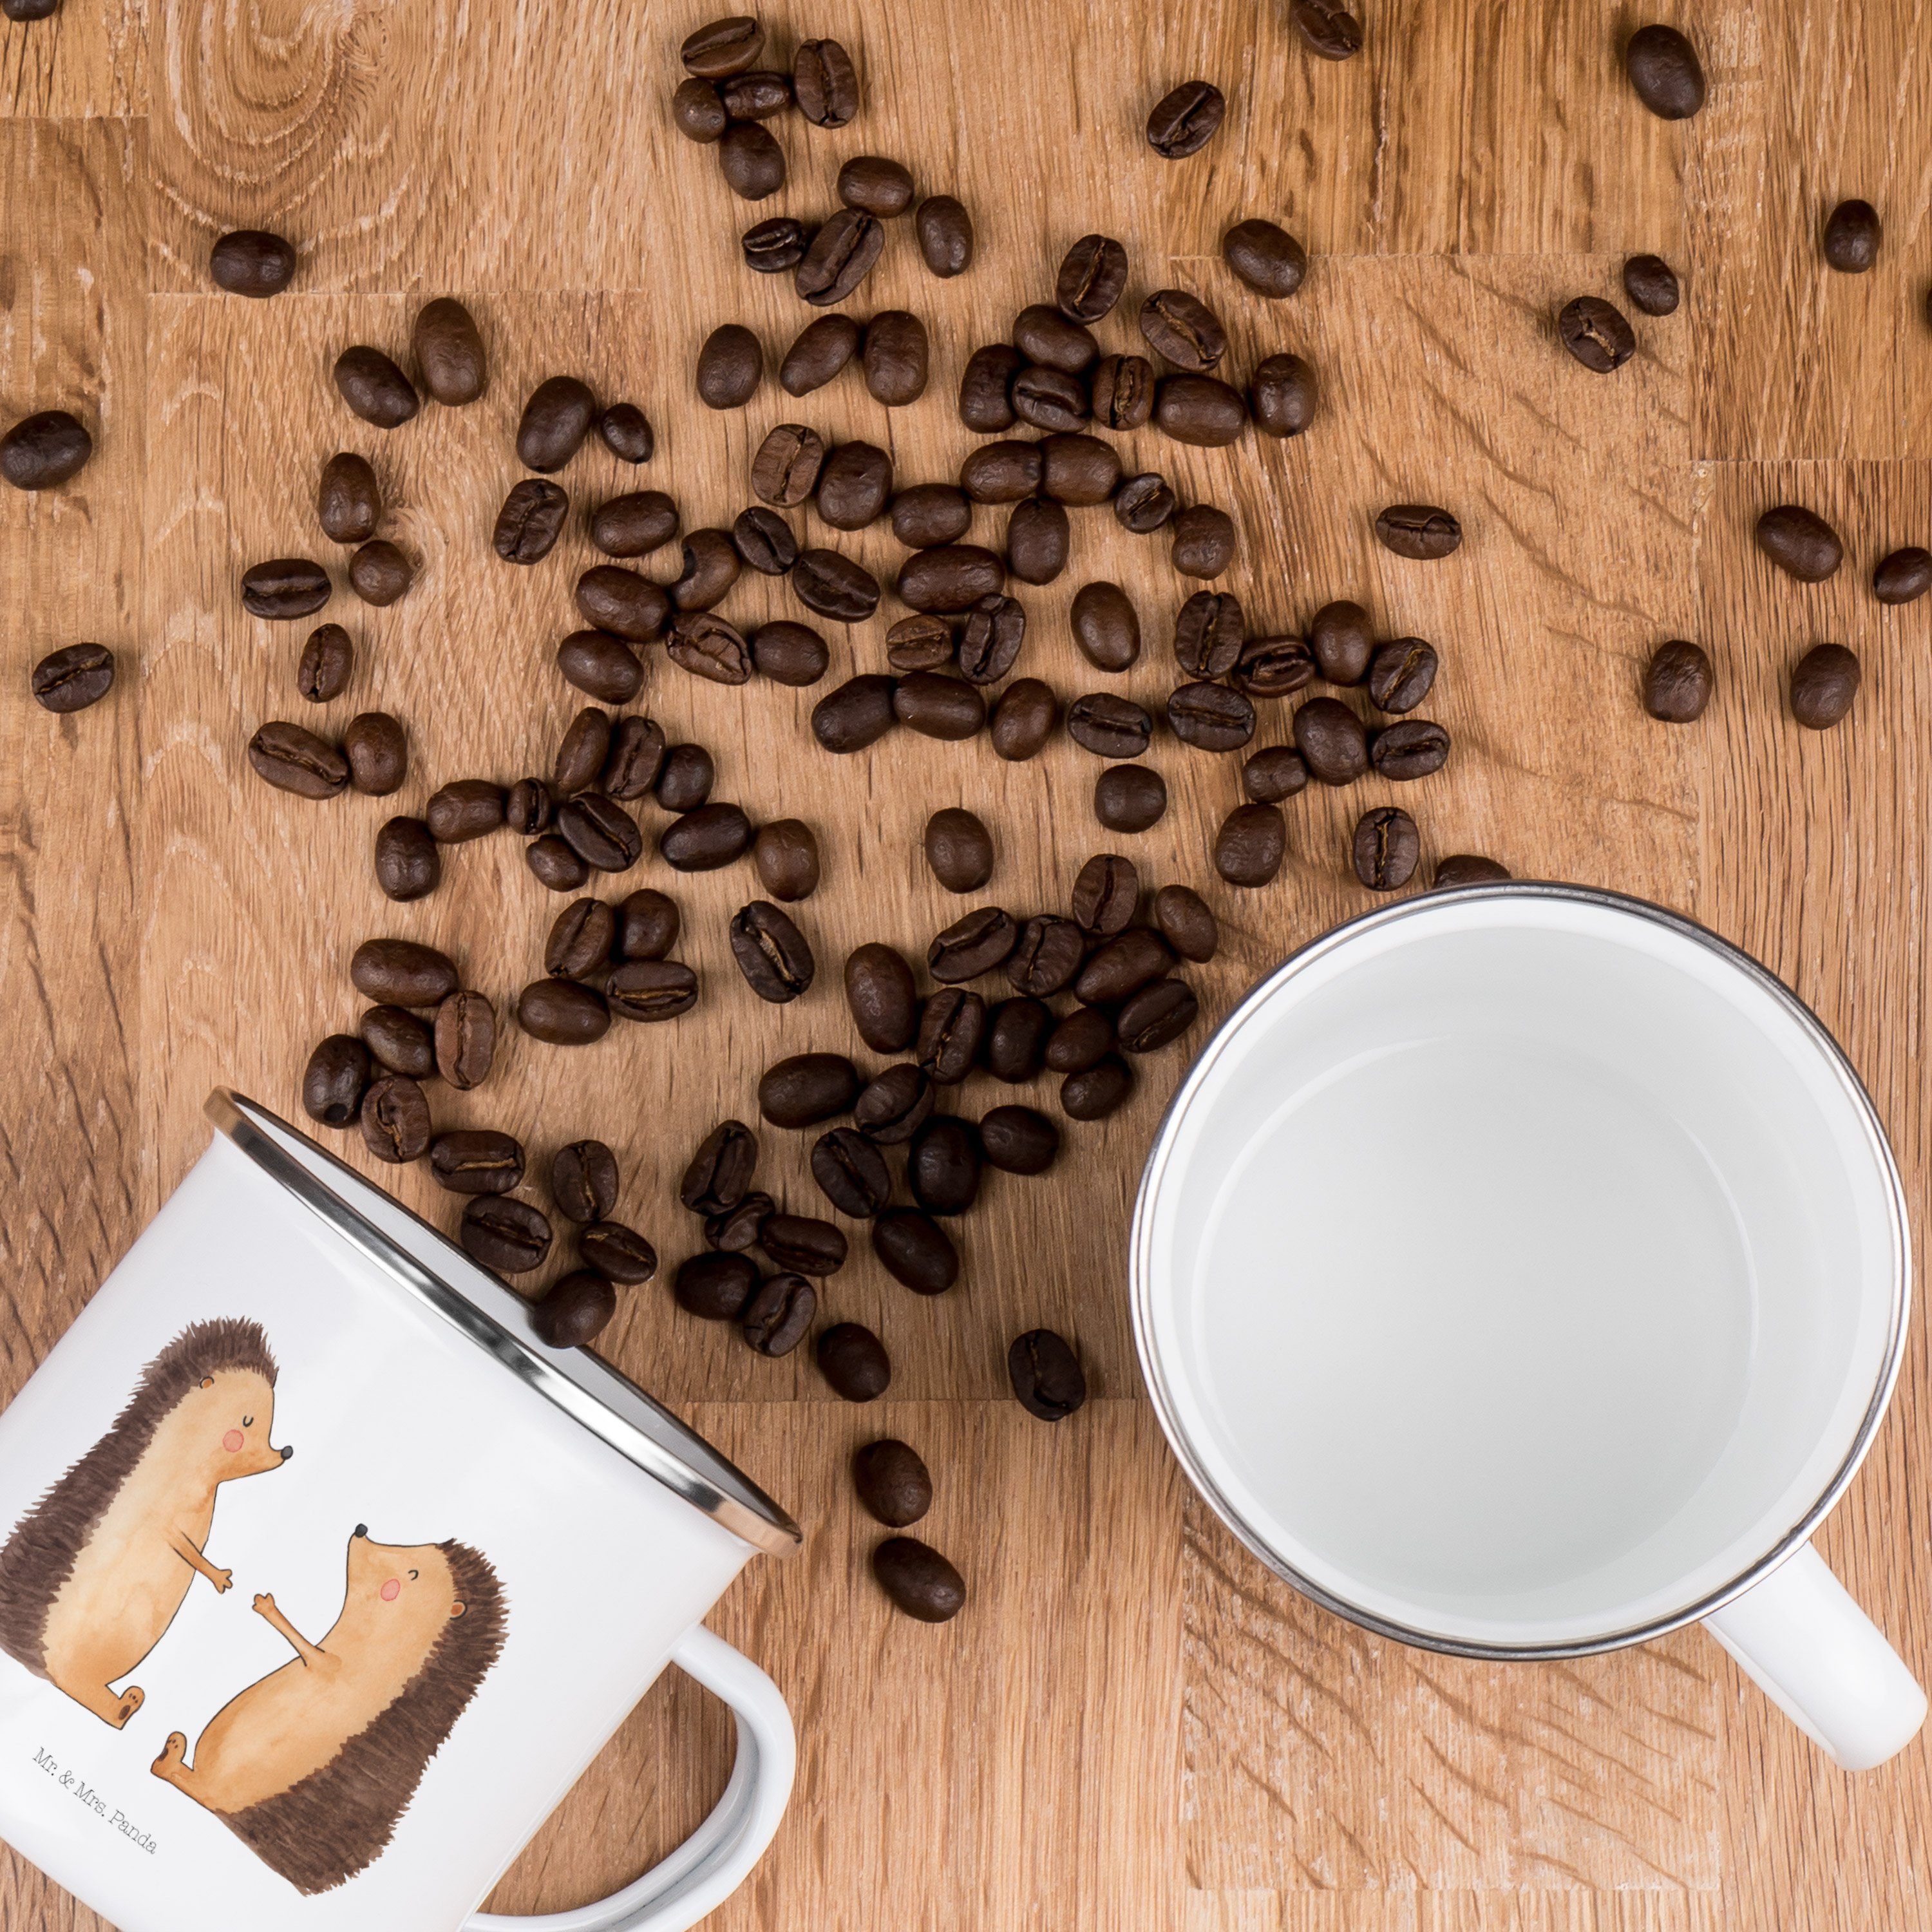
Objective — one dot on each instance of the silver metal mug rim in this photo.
(585, 1387)
(1786, 1545)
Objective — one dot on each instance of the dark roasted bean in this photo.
(1129, 798)
(698, 110)
(285, 586)
(510, 1236)
(985, 400)
(1250, 845)
(1207, 634)
(711, 567)
(752, 164)
(771, 951)
(945, 231)
(730, 365)
(1823, 683)
(853, 1360)
(715, 1286)
(465, 808)
(333, 1081)
(584, 1181)
(1204, 541)
(1120, 392)
(1342, 641)
(755, 96)
(399, 1041)
(789, 653)
(449, 352)
(1267, 258)
(75, 677)
(919, 1581)
(1160, 1012)
(1272, 666)
(466, 1039)
(879, 989)
(1281, 395)
(246, 261)
(936, 706)
(1468, 869)
(1201, 410)
(835, 587)
(1853, 233)
(600, 666)
(1651, 284)
(737, 1229)
(1182, 329)
(1187, 922)
(1050, 399)
(917, 1252)
(1098, 1090)
(1108, 726)
(1106, 892)
(408, 866)
(1277, 773)
(841, 257)
(1331, 738)
(617, 1253)
(722, 47)
(348, 503)
(562, 1012)
(851, 1172)
(1418, 530)
(477, 1160)
(774, 247)
(951, 1026)
(1663, 68)
(634, 524)
(1183, 121)
(824, 83)
(973, 945)
(600, 832)
(375, 388)
(921, 644)
(801, 1244)
(1903, 576)
(1327, 28)
(875, 184)
(43, 450)
(378, 752)
(702, 643)
(856, 714)
(806, 1088)
(554, 865)
(1411, 749)
(623, 602)
(785, 470)
(1125, 964)
(1385, 848)
(1045, 336)
(891, 1482)
(581, 938)
(1211, 717)
(573, 1310)
(395, 1119)
(896, 358)
(581, 753)
(1038, 539)
(1401, 672)
(786, 856)
(1047, 955)
(529, 522)
(328, 659)
(1800, 542)
(721, 1171)
(943, 1165)
(626, 433)
(555, 421)
(1023, 719)
(649, 990)
(705, 838)
(991, 637)
(378, 573)
(928, 515)
(1093, 274)
(854, 485)
(1106, 626)
(779, 1315)
(1596, 333)
(1082, 1039)
(647, 925)
(1003, 471)
(1016, 1039)
(1019, 1140)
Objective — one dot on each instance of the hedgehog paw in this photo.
(132, 1699)
(173, 1753)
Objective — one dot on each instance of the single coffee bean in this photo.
(555, 421)
(952, 1024)
(918, 1580)
(851, 1172)
(737, 1229)
(581, 753)
(800, 1244)
(892, 1483)
(1852, 232)
(985, 404)
(1183, 330)
(399, 1041)
(1277, 773)
(1272, 666)
(1108, 726)
(921, 644)
(1468, 869)
(1019, 1140)
(333, 1081)
(1023, 719)
(945, 231)
(1129, 798)
(43, 451)
(711, 567)
(1281, 395)
(449, 353)
(854, 485)
(618, 1253)
(1418, 531)
(1203, 541)
(1014, 1042)
(1211, 717)
(477, 1161)
(466, 1039)
(943, 1165)
(805, 1088)
(1100, 1090)
(1106, 626)
(1187, 922)
(647, 925)
(251, 261)
(1201, 410)
(722, 47)
(991, 637)
(1050, 399)
(835, 587)
(530, 521)
(853, 1360)
(1048, 955)
(785, 470)
(1596, 333)
(1183, 121)
(765, 541)
(378, 752)
(785, 854)
(928, 515)
(1003, 471)
(702, 643)
(824, 83)
(1800, 542)
(973, 945)
(1207, 634)
(650, 990)
(771, 951)
(1078, 470)
(752, 164)
(1678, 682)
(1120, 395)
(511, 1237)
(755, 96)
(875, 184)
(1045, 336)
(1342, 642)
(1823, 683)
(774, 247)
(581, 938)
(293, 760)
(395, 1120)
(378, 573)
(626, 433)
(857, 715)
(715, 1286)
(698, 110)
(1093, 275)
(842, 255)
(72, 678)
(328, 660)
(720, 1172)
(789, 653)
(563, 1012)
(1125, 963)
(600, 666)
(779, 1314)
(1651, 283)
(879, 990)
(1412, 749)
(935, 706)
(1106, 893)
(554, 866)
(896, 358)
(1082, 1039)
(1267, 258)
(348, 501)
(703, 840)
(1385, 849)
(631, 525)
(285, 586)
(408, 866)
(374, 388)
(729, 366)
(584, 1181)
(1663, 69)
(1250, 845)
(466, 809)
(685, 778)
(1045, 1374)
(1401, 672)
(623, 602)
(1332, 739)
(600, 832)
(573, 1310)
(1159, 1012)
(917, 1252)
(1903, 576)
(1038, 540)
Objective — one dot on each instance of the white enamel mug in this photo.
(322, 1579)
(1521, 1272)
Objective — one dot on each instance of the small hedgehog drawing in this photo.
(94, 1573)
(312, 1765)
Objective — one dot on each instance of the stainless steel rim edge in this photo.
(1140, 1229)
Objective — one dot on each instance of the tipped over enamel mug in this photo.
(323, 1578)
(1521, 1272)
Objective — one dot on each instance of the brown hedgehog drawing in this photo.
(311, 1766)
(95, 1571)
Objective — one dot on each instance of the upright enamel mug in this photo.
(1522, 1272)
(322, 1579)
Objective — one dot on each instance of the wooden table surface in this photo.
(1132, 1724)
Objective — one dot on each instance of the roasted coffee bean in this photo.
(408, 866)
(1332, 740)
(631, 525)
(581, 938)
(623, 602)
(563, 1012)
(555, 421)
(1273, 774)
(573, 1310)
(1183, 121)
(1160, 1012)
(771, 951)
(851, 1172)
(1342, 642)
(1019, 1140)
(348, 501)
(715, 1286)
(854, 485)
(702, 643)
(779, 1314)
(399, 1041)
(1800, 542)
(529, 524)
(1093, 275)
(1468, 869)
(1211, 717)
(857, 715)
(737, 1229)
(1650, 282)
(891, 1482)
(247, 261)
(943, 1165)
(721, 1171)
(1003, 471)
(1250, 845)
(285, 586)
(477, 1160)
(1038, 539)
(600, 832)
(1401, 672)
(466, 1039)
(626, 433)
(581, 754)
(1267, 258)
(896, 358)
(730, 365)
(1183, 330)
(584, 1181)
(1082, 1039)
(1663, 68)
(1272, 666)
(772, 247)
(1120, 393)
(711, 566)
(395, 1119)
(835, 587)
(333, 1081)
(1049, 399)
(824, 83)
(918, 1580)
(1125, 964)
(876, 185)
(928, 515)
(465, 808)
(1015, 1040)
(917, 1252)
(647, 925)
(789, 653)
(1823, 683)
(1047, 955)
(554, 865)
(375, 388)
(1418, 531)
(985, 388)
(785, 470)
(786, 856)
(755, 96)
(1108, 726)
(72, 678)
(44, 450)
(378, 573)
(752, 164)
(378, 752)
(806, 1088)
(1187, 922)
(511, 1237)
(1129, 798)
(842, 255)
(328, 660)
(1903, 576)
(722, 47)
(879, 990)
(1201, 410)
(1203, 541)
(293, 760)
(1023, 719)
(1596, 334)
(853, 1360)
(600, 666)
(802, 1245)
(1677, 683)
(952, 1024)
(936, 707)
(973, 945)
(1281, 395)
(697, 111)
(449, 354)
(1208, 634)
(1045, 337)
(703, 840)
(650, 990)
(1044, 1370)
(618, 1253)
(1097, 1091)
(1106, 626)
(1106, 892)
(1385, 848)
(1412, 749)
(991, 637)
(945, 231)
(921, 644)
(1853, 233)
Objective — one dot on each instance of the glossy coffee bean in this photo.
(1251, 844)
(1109, 726)
(554, 865)
(573, 1310)
(293, 760)
(973, 945)
(801, 1244)
(755, 95)
(449, 352)
(1129, 797)
(284, 587)
(1282, 393)
(374, 388)
(1082, 1039)
(1468, 869)
(1187, 922)
(1050, 399)
(945, 233)
(936, 706)
(464, 809)
(991, 637)
(582, 751)
(1003, 471)
(1093, 276)
(835, 587)
(1100, 1090)
(1045, 337)
(600, 666)
(251, 262)
(806, 1088)
(623, 602)
(328, 661)
(985, 401)
(1019, 1140)
(702, 643)
(1211, 717)
(1327, 28)
(825, 83)
(1385, 848)
(1125, 963)
(858, 713)
(896, 358)
(928, 515)
(1678, 682)
(952, 1029)
(648, 990)
(600, 832)
(399, 1042)
(477, 1160)
(842, 254)
(1023, 719)
(511, 1237)
(1200, 410)
(723, 46)
(1106, 626)
(1903, 576)
(333, 1081)
(1664, 70)
(395, 1119)
(584, 1181)
(853, 1360)
(1332, 740)
(1823, 683)
(890, 1107)
(882, 995)
(1419, 531)
(1159, 1012)
(943, 1165)
(582, 938)
(736, 1230)
(562, 1012)
(1182, 330)
(789, 653)
(647, 924)
(720, 1172)
(407, 864)
(751, 162)
(530, 521)
(631, 525)
(1596, 333)
(876, 185)
(715, 1286)
(348, 500)
(1106, 893)
(1120, 394)
(774, 247)
(1342, 642)
(772, 953)
(1800, 542)
(918, 1580)
(466, 1039)
(1277, 773)
(1265, 256)
(730, 365)
(626, 433)
(698, 110)
(1401, 674)
(704, 839)
(1853, 233)
(401, 973)
(785, 855)
(851, 1172)
(1038, 540)
(1208, 634)
(892, 1483)
(1045, 1374)
(1651, 284)
(1183, 122)
(916, 1251)
(618, 1253)
(555, 419)
(1014, 1043)
(685, 778)
(72, 678)
(779, 1315)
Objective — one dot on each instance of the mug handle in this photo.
(1823, 1662)
(715, 1859)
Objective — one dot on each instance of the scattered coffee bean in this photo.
(972, 945)
(1003, 472)
(1078, 471)
(985, 403)
(1385, 848)
(1467, 869)
(631, 525)
(1046, 956)
(852, 1172)
(348, 501)
(408, 866)
(510, 1236)
(737, 1229)
(1045, 1374)
(581, 754)
(1183, 330)
(1277, 773)
(785, 854)
(1903, 576)
(856, 714)
(835, 587)
(712, 565)
(1098, 1090)
(1650, 282)
(772, 247)
(896, 358)
(1106, 626)
(779, 1315)
(1281, 395)
(554, 866)
(328, 660)
(916, 1251)
(789, 653)
(991, 637)
(399, 1041)
(1201, 410)
(1327, 28)
(378, 573)
(600, 666)
(1038, 540)
(855, 484)
(1187, 922)
(1342, 642)
(555, 421)
(824, 83)
(1019, 1140)
(1082, 1039)
(291, 759)
(853, 1360)
(1106, 893)
(375, 388)
(1852, 232)
(477, 1160)
(799, 1244)
(74, 677)
(1267, 258)
(44, 450)
(1129, 798)
(647, 925)
(623, 602)
(1183, 121)
(573, 1310)
(1120, 393)
(1400, 674)
(285, 586)
(876, 185)
(1208, 634)
(1596, 333)
(1211, 717)
(935, 706)
(626, 433)
(703, 840)
(929, 514)
(1332, 739)
(1823, 683)
(1045, 336)
(1663, 69)
(649, 990)
(1159, 1012)
(951, 1026)
(722, 47)
(702, 643)
(1272, 666)
(1014, 1040)
(1250, 845)
(892, 1483)
(1678, 682)
(771, 951)
(395, 1120)
(581, 940)
(806, 1088)
(251, 262)
(333, 1081)
(530, 521)
(684, 778)
(752, 164)
(449, 353)
(720, 1172)
(1050, 399)
(1093, 275)
(1023, 719)
(1418, 531)
(842, 255)
(729, 366)
(1129, 960)
(698, 110)
(562, 1012)
(943, 1165)
(756, 95)
(879, 990)
(918, 1580)
(465, 1040)
(600, 832)
(1108, 726)
(715, 1286)
(1203, 542)
(378, 753)
(945, 231)
(1800, 542)
(618, 1253)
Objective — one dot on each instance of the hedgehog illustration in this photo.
(311, 1766)
(94, 1573)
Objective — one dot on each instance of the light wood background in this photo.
(1132, 1724)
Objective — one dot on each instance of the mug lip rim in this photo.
(1140, 1292)
(752, 1516)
